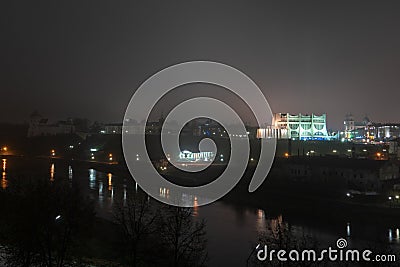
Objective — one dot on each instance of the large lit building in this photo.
(296, 127)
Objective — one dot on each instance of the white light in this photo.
(348, 194)
(390, 198)
(93, 149)
(58, 217)
(397, 197)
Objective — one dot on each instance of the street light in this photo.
(53, 152)
(5, 148)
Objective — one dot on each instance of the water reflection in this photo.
(92, 179)
(70, 174)
(101, 194)
(195, 207)
(124, 194)
(4, 175)
(277, 224)
(110, 187)
(164, 193)
(394, 237)
(260, 223)
(348, 229)
(52, 171)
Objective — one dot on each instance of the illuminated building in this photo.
(296, 127)
(199, 156)
(367, 131)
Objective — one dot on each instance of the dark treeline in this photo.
(50, 223)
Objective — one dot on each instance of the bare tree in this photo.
(137, 221)
(183, 237)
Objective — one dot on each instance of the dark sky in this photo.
(86, 58)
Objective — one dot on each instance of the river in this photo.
(232, 230)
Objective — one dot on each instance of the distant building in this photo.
(367, 131)
(356, 174)
(296, 127)
(357, 130)
(385, 131)
(112, 128)
(39, 126)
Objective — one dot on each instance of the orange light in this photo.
(378, 154)
(5, 148)
(286, 155)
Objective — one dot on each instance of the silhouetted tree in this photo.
(42, 220)
(137, 221)
(183, 238)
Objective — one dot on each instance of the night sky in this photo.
(86, 58)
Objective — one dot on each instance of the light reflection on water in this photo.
(110, 188)
(4, 175)
(70, 173)
(92, 179)
(101, 195)
(52, 172)
(261, 222)
(226, 224)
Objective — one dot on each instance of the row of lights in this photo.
(110, 156)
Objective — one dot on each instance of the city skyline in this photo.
(307, 57)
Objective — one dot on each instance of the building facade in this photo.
(367, 131)
(39, 126)
(296, 127)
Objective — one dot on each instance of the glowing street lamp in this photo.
(53, 152)
(5, 149)
(110, 158)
